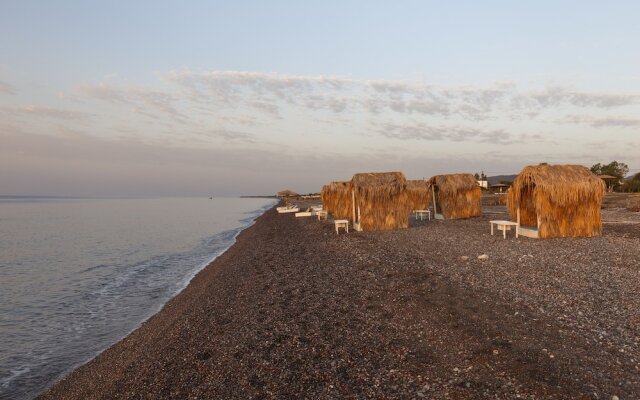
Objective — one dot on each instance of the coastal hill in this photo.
(493, 180)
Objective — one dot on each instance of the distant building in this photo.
(483, 184)
(500, 187)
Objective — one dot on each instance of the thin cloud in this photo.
(606, 122)
(229, 135)
(197, 103)
(6, 89)
(620, 122)
(555, 96)
(275, 94)
(103, 92)
(153, 103)
(440, 133)
(50, 112)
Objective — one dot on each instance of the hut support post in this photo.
(433, 192)
(518, 220)
(353, 205)
(435, 206)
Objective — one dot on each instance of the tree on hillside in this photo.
(480, 176)
(614, 168)
(633, 184)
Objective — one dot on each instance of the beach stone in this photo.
(614, 397)
(464, 258)
(483, 257)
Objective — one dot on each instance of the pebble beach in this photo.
(293, 310)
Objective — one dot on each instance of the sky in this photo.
(175, 98)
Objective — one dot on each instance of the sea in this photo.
(77, 275)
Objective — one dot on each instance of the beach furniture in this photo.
(504, 226)
(341, 223)
(550, 201)
(322, 214)
(287, 209)
(306, 213)
(420, 214)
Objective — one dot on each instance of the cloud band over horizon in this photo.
(268, 120)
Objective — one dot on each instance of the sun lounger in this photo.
(288, 209)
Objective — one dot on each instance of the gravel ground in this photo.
(295, 311)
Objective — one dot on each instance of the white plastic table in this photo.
(503, 226)
(421, 213)
(341, 223)
(322, 214)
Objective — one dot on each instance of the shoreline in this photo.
(247, 222)
(142, 324)
(293, 310)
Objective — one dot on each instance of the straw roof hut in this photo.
(336, 199)
(455, 196)
(287, 193)
(557, 201)
(419, 194)
(380, 201)
(610, 181)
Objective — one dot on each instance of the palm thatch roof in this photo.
(381, 200)
(419, 193)
(457, 195)
(336, 199)
(560, 200)
(287, 193)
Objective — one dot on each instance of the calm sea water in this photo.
(77, 275)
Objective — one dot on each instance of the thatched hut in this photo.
(610, 181)
(379, 201)
(336, 199)
(419, 193)
(556, 201)
(455, 196)
(287, 193)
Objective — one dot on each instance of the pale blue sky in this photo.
(237, 97)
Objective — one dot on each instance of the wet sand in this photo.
(293, 310)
